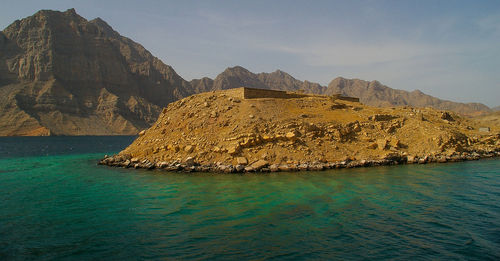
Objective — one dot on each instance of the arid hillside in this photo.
(224, 129)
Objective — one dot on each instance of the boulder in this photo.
(242, 160)
(126, 163)
(239, 168)
(189, 161)
(423, 160)
(442, 159)
(395, 143)
(189, 148)
(291, 135)
(381, 117)
(381, 144)
(446, 116)
(317, 167)
(249, 169)
(303, 166)
(259, 164)
(284, 167)
(274, 168)
(233, 149)
(163, 164)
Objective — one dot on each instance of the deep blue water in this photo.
(57, 204)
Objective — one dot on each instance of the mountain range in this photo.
(61, 74)
(370, 92)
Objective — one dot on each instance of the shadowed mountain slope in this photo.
(63, 75)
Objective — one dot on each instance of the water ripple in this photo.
(66, 207)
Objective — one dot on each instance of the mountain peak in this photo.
(236, 68)
(281, 73)
(104, 26)
(48, 13)
(71, 11)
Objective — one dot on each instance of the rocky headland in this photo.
(226, 131)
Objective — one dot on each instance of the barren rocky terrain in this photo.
(61, 74)
(220, 131)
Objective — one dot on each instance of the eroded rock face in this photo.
(280, 138)
(61, 74)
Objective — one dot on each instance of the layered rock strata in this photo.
(63, 75)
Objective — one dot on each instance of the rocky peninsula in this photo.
(254, 130)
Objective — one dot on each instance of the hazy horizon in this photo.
(445, 49)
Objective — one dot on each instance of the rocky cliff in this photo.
(63, 75)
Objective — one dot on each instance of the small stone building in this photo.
(254, 93)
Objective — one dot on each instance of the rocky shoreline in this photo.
(225, 132)
(189, 164)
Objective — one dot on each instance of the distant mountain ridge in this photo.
(61, 74)
(238, 76)
(370, 92)
(376, 94)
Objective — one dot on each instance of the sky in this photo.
(448, 49)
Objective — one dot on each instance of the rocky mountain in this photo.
(63, 75)
(238, 76)
(376, 94)
(204, 84)
(371, 93)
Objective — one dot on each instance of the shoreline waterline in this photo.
(125, 161)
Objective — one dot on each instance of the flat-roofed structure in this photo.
(254, 93)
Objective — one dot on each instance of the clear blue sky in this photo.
(449, 49)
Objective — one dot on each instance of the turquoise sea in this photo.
(57, 204)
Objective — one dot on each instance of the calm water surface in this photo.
(57, 204)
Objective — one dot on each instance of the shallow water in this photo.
(56, 203)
